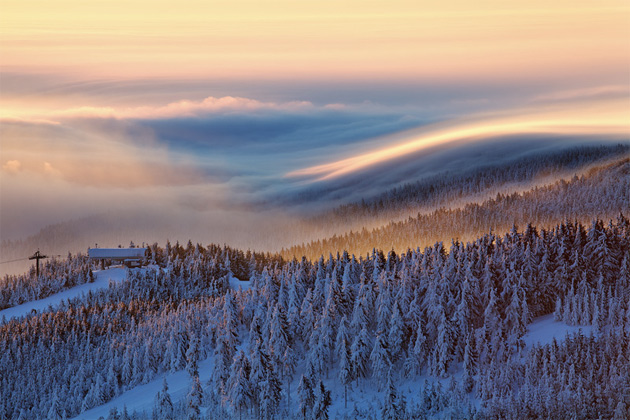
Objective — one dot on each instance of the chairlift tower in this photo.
(37, 256)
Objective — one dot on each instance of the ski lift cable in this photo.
(10, 261)
(23, 259)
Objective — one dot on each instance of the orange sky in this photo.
(316, 39)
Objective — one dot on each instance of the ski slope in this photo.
(103, 278)
(142, 397)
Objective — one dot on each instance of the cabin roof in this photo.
(117, 253)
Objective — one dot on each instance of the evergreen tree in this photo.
(240, 388)
(381, 359)
(125, 414)
(54, 413)
(306, 396)
(417, 354)
(345, 372)
(222, 363)
(113, 414)
(391, 407)
(163, 408)
(192, 357)
(469, 365)
(270, 394)
(396, 335)
(279, 336)
(287, 370)
(194, 399)
(442, 355)
(343, 338)
(360, 354)
(322, 402)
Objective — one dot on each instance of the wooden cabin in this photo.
(130, 257)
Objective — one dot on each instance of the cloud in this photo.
(31, 121)
(178, 109)
(599, 118)
(104, 156)
(12, 166)
(585, 93)
(205, 159)
(50, 170)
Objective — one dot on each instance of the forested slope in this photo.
(369, 323)
(601, 192)
(444, 189)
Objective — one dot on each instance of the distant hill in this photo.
(600, 192)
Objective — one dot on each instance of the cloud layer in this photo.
(609, 118)
(220, 154)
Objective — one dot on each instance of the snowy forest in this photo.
(438, 332)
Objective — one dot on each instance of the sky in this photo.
(204, 110)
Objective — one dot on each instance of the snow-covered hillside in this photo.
(142, 398)
(487, 328)
(365, 399)
(102, 281)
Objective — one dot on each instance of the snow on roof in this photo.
(117, 253)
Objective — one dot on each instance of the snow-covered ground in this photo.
(103, 278)
(235, 283)
(544, 329)
(142, 397)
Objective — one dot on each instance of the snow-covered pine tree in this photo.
(222, 363)
(381, 360)
(396, 334)
(470, 364)
(322, 402)
(239, 386)
(306, 396)
(442, 356)
(269, 395)
(279, 336)
(192, 357)
(163, 408)
(392, 409)
(360, 354)
(345, 371)
(343, 338)
(194, 399)
(54, 413)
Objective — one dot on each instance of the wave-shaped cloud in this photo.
(594, 118)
